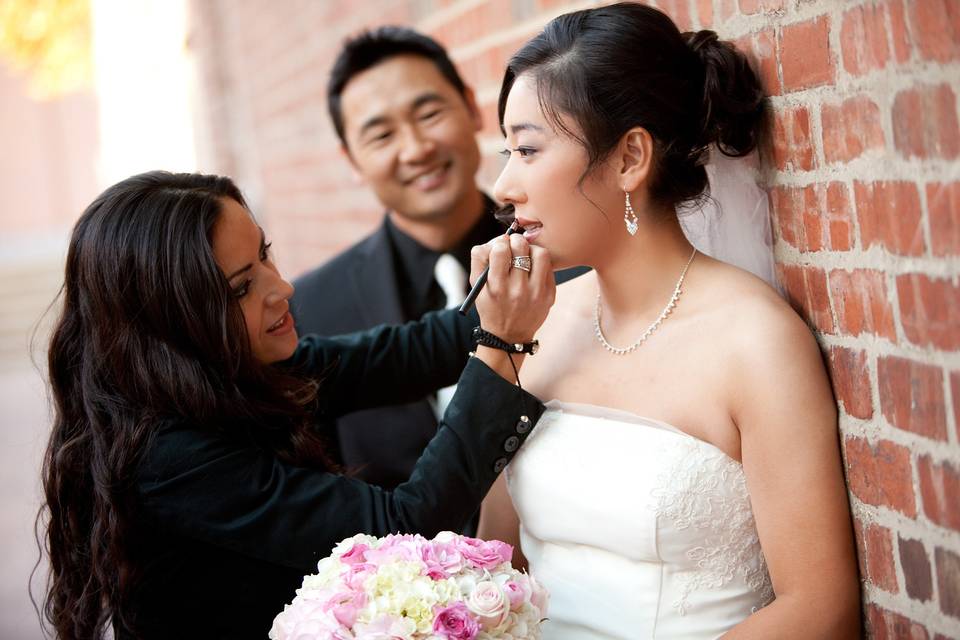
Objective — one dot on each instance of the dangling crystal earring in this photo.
(629, 217)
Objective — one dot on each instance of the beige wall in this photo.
(47, 166)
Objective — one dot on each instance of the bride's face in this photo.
(541, 179)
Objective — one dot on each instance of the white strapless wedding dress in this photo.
(637, 529)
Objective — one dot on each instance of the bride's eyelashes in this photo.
(524, 151)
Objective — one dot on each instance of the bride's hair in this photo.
(626, 65)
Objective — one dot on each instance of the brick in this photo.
(805, 55)
(929, 310)
(761, 50)
(890, 216)
(863, 39)
(899, 34)
(918, 579)
(939, 22)
(815, 217)
(851, 381)
(850, 129)
(911, 396)
(925, 122)
(679, 11)
(792, 142)
(861, 303)
(955, 393)
(883, 624)
(750, 7)
(806, 289)
(943, 207)
(875, 555)
(880, 474)
(705, 13)
(948, 581)
(940, 491)
(728, 9)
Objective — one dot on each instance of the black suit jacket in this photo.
(226, 531)
(354, 291)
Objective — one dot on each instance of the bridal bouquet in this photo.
(405, 587)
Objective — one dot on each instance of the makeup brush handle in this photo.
(474, 291)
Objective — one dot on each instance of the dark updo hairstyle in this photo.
(149, 332)
(626, 65)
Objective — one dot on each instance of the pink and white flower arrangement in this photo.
(405, 587)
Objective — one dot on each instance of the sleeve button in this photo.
(499, 465)
(523, 425)
(511, 444)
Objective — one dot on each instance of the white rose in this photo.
(489, 603)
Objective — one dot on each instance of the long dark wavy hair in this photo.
(148, 332)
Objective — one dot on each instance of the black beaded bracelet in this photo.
(487, 339)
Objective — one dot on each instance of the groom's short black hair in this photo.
(370, 48)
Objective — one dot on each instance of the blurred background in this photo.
(863, 169)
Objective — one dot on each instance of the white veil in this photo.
(734, 224)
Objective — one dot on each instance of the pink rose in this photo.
(517, 592)
(356, 574)
(345, 605)
(395, 548)
(441, 560)
(356, 555)
(484, 554)
(307, 619)
(538, 596)
(456, 623)
(489, 603)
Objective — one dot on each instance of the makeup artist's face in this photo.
(541, 179)
(410, 137)
(243, 256)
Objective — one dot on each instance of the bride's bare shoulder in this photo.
(750, 314)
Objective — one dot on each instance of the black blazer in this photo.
(227, 531)
(354, 291)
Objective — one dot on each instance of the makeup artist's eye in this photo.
(265, 252)
(243, 289)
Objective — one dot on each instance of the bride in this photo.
(685, 481)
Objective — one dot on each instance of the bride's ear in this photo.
(636, 159)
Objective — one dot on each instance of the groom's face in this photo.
(410, 136)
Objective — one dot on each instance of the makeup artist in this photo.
(187, 489)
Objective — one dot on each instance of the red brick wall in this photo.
(863, 175)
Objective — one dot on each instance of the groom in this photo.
(407, 124)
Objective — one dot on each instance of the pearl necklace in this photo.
(656, 323)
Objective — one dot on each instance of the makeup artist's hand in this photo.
(514, 303)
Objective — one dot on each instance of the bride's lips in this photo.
(531, 228)
(283, 326)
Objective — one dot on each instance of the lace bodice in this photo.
(638, 529)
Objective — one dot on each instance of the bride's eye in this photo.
(525, 152)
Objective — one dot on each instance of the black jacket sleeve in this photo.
(212, 488)
(390, 364)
